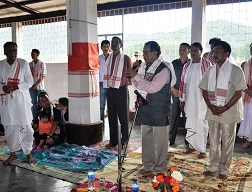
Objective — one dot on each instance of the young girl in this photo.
(44, 129)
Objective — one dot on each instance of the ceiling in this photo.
(23, 10)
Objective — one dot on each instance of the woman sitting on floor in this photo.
(57, 133)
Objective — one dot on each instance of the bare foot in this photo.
(143, 171)
(189, 150)
(223, 177)
(246, 145)
(208, 173)
(202, 156)
(31, 159)
(11, 158)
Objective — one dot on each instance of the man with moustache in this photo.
(192, 102)
(116, 81)
(16, 115)
(222, 87)
(105, 46)
(154, 82)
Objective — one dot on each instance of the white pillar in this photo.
(17, 36)
(198, 21)
(83, 72)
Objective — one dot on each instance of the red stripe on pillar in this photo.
(84, 57)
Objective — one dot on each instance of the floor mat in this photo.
(191, 168)
(62, 160)
(132, 146)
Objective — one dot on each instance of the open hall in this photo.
(68, 34)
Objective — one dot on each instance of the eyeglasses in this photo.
(145, 52)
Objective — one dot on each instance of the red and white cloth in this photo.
(218, 83)
(248, 76)
(13, 79)
(38, 71)
(204, 63)
(113, 73)
(147, 73)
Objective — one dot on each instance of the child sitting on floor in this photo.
(44, 129)
(63, 105)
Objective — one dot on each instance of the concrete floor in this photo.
(15, 179)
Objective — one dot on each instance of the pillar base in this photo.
(84, 134)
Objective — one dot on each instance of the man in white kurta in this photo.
(16, 115)
(245, 130)
(222, 87)
(192, 102)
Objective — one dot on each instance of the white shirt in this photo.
(102, 66)
(17, 107)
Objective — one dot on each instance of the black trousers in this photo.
(176, 111)
(118, 107)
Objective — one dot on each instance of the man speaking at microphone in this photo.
(154, 81)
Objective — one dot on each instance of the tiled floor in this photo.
(15, 179)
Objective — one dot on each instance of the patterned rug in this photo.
(240, 178)
(191, 168)
(66, 162)
(132, 146)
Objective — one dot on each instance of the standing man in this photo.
(116, 81)
(16, 115)
(38, 70)
(192, 102)
(178, 64)
(222, 87)
(245, 130)
(209, 55)
(105, 45)
(154, 80)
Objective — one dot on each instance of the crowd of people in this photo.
(208, 90)
(41, 124)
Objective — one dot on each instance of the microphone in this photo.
(144, 101)
(139, 62)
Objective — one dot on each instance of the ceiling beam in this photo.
(17, 6)
(33, 17)
(23, 3)
(132, 3)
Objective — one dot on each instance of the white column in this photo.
(83, 64)
(17, 36)
(198, 21)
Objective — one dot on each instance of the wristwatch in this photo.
(49, 136)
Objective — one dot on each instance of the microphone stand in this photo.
(120, 156)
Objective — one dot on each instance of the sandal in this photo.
(246, 145)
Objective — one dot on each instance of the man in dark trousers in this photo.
(178, 64)
(116, 82)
